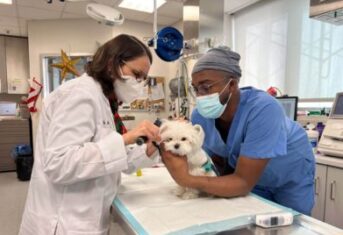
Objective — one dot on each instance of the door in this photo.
(334, 197)
(320, 189)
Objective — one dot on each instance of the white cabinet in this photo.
(320, 189)
(334, 197)
(329, 195)
(14, 65)
(13, 132)
(17, 65)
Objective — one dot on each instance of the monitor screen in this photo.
(338, 106)
(290, 105)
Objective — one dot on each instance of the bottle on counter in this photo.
(17, 111)
(313, 136)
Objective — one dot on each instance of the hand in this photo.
(150, 149)
(145, 128)
(177, 166)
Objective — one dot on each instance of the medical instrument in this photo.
(273, 219)
(331, 142)
(143, 139)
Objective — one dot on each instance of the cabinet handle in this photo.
(316, 185)
(332, 190)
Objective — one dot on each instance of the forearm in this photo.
(224, 186)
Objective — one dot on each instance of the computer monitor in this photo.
(337, 108)
(290, 105)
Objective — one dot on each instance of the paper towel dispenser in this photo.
(330, 11)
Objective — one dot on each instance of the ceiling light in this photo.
(140, 5)
(6, 1)
(191, 13)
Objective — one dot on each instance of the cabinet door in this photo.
(13, 132)
(320, 189)
(334, 197)
(17, 65)
(3, 76)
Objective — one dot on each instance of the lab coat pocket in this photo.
(87, 199)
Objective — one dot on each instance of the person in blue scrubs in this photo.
(246, 130)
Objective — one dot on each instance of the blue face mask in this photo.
(209, 106)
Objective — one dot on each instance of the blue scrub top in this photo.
(260, 129)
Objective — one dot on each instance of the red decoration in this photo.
(35, 90)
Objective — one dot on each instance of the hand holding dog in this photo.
(177, 166)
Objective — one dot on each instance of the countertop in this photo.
(329, 160)
(15, 118)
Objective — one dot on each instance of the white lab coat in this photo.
(78, 160)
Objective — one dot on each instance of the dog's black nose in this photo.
(176, 146)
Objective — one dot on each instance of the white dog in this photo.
(182, 138)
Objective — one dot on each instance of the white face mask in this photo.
(128, 89)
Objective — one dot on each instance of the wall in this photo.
(80, 36)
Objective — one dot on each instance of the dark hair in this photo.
(121, 48)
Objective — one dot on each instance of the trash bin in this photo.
(23, 157)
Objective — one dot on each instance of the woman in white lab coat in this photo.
(78, 153)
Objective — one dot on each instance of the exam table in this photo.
(146, 205)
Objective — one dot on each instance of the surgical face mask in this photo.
(209, 106)
(128, 89)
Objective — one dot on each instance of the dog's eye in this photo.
(183, 139)
(169, 139)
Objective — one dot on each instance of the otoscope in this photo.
(143, 139)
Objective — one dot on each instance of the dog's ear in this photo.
(163, 127)
(199, 129)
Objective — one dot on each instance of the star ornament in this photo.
(67, 65)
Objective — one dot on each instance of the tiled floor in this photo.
(12, 201)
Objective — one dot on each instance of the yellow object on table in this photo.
(139, 172)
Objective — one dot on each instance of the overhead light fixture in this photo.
(140, 5)
(5, 1)
(191, 13)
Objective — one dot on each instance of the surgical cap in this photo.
(220, 58)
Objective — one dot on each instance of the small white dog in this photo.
(182, 138)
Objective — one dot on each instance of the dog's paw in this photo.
(179, 191)
(189, 195)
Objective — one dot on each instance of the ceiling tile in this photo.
(108, 2)
(37, 14)
(56, 5)
(76, 8)
(133, 15)
(7, 10)
(23, 31)
(171, 9)
(22, 23)
(10, 21)
(66, 15)
(12, 30)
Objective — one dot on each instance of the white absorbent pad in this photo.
(150, 207)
